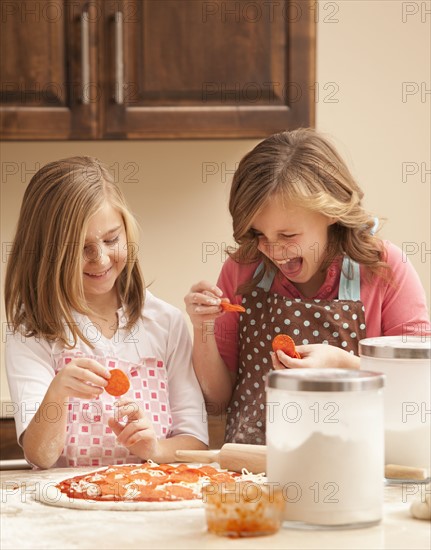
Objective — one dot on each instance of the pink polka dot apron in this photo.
(338, 322)
(89, 440)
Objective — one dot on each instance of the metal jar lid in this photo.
(396, 347)
(325, 380)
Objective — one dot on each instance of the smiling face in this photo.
(105, 253)
(294, 239)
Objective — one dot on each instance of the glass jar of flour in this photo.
(325, 445)
(406, 363)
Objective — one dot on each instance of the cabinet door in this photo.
(47, 70)
(199, 68)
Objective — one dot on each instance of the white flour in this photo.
(329, 480)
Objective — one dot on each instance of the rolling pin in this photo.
(394, 471)
(232, 456)
(236, 456)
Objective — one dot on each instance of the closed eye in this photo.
(113, 241)
(254, 234)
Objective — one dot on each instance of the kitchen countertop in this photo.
(26, 523)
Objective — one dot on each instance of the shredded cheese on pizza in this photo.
(149, 482)
(249, 476)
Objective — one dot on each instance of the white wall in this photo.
(366, 51)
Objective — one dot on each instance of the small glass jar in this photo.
(243, 508)
(406, 363)
(325, 445)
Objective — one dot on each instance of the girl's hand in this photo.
(82, 377)
(203, 303)
(137, 433)
(317, 356)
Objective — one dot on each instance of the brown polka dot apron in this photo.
(338, 322)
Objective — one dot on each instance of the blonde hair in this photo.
(302, 168)
(44, 274)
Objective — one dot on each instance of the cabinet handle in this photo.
(119, 59)
(85, 58)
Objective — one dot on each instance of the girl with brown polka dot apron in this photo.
(338, 322)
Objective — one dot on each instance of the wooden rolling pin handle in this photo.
(236, 456)
(395, 471)
(232, 456)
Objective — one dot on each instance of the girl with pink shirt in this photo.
(77, 307)
(308, 264)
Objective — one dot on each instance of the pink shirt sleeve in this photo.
(226, 326)
(395, 307)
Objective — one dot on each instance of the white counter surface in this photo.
(27, 524)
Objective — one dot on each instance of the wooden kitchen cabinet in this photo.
(137, 69)
(9, 448)
(43, 64)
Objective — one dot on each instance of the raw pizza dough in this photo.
(53, 496)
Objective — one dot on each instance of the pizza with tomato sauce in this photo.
(147, 486)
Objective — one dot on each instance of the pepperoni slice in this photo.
(226, 306)
(179, 492)
(118, 384)
(285, 343)
(136, 483)
(151, 494)
(208, 470)
(190, 476)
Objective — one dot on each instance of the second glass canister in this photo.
(325, 445)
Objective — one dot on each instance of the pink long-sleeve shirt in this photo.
(393, 307)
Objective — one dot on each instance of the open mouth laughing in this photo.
(290, 266)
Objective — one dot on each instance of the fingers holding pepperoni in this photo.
(227, 306)
(285, 343)
(118, 384)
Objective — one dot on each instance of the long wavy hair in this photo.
(303, 168)
(44, 281)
